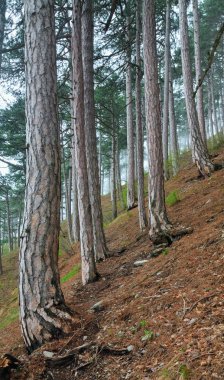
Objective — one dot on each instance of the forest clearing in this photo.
(111, 189)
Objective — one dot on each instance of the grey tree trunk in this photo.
(214, 113)
(166, 92)
(2, 28)
(139, 126)
(198, 71)
(75, 209)
(130, 126)
(43, 313)
(10, 237)
(211, 127)
(67, 198)
(118, 175)
(89, 273)
(158, 216)
(199, 151)
(113, 172)
(90, 131)
(173, 126)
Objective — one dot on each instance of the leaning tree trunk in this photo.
(166, 92)
(43, 313)
(158, 217)
(2, 28)
(198, 71)
(130, 126)
(89, 273)
(139, 127)
(90, 131)
(199, 151)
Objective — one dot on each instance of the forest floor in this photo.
(169, 312)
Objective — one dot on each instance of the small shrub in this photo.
(172, 198)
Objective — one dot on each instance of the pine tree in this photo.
(43, 313)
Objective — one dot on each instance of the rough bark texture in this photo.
(158, 217)
(199, 151)
(85, 218)
(198, 71)
(166, 92)
(43, 313)
(173, 126)
(2, 27)
(139, 127)
(75, 209)
(130, 126)
(90, 131)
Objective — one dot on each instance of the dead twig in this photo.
(200, 300)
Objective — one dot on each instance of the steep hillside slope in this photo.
(168, 312)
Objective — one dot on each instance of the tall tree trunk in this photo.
(198, 71)
(166, 92)
(172, 122)
(43, 313)
(158, 216)
(214, 113)
(139, 127)
(19, 226)
(75, 209)
(130, 126)
(199, 151)
(113, 172)
(85, 217)
(10, 237)
(2, 28)
(67, 197)
(211, 127)
(90, 131)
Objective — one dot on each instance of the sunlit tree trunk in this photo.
(43, 313)
(198, 71)
(158, 216)
(90, 131)
(130, 126)
(199, 151)
(89, 273)
(139, 126)
(166, 92)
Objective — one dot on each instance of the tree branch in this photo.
(211, 55)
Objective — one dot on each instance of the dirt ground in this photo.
(169, 312)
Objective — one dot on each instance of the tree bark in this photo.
(158, 216)
(166, 92)
(10, 237)
(90, 132)
(198, 71)
(130, 126)
(89, 273)
(214, 113)
(173, 126)
(2, 28)
(139, 127)
(1, 266)
(113, 172)
(199, 151)
(43, 313)
(75, 216)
